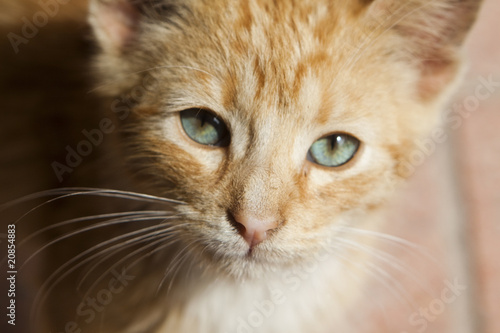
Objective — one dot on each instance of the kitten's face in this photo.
(278, 76)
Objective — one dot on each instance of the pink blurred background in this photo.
(451, 208)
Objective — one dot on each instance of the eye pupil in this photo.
(204, 127)
(334, 142)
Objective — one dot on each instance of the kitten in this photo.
(264, 135)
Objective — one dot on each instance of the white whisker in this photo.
(96, 226)
(171, 229)
(59, 272)
(397, 241)
(382, 276)
(374, 275)
(163, 239)
(392, 261)
(82, 191)
(89, 218)
(175, 264)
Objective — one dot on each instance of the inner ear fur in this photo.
(115, 23)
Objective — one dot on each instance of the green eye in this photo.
(204, 127)
(334, 150)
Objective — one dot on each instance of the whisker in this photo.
(172, 264)
(170, 228)
(153, 252)
(400, 242)
(179, 264)
(392, 261)
(89, 218)
(66, 190)
(40, 300)
(93, 227)
(403, 295)
(374, 275)
(110, 241)
(80, 191)
(130, 255)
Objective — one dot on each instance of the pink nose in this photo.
(254, 229)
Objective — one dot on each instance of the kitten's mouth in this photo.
(250, 252)
(240, 253)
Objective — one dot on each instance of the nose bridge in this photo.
(259, 189)
(257, 209)
(261, 186)
(262, 179)
(263, 171)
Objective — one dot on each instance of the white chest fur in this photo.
(305, 299)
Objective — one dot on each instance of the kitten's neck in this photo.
(312, 291)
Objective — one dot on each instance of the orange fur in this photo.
(281, 75)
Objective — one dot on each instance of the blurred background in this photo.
(450, 208)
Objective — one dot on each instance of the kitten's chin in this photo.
(249, 269)
(241, 262)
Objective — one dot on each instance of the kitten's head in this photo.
(276, 120)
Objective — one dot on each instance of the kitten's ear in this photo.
(433, 32)
(115, 22)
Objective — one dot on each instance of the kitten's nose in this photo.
(254, 229)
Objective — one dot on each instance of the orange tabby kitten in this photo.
(266, 135)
